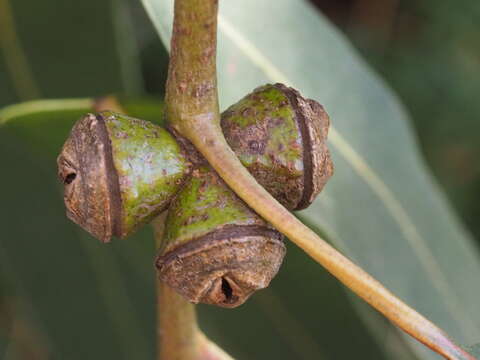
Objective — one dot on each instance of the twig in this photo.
(176, 319)
(179, 337)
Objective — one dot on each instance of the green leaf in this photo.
(382, 207)
(474, 350)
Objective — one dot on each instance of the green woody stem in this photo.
(176, 318)
(179, 337)
(192, 109)
(192, 83)
(177, 331)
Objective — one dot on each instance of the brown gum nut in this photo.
(119, 173)
(280, 137)
(91, 192)
(216, 250)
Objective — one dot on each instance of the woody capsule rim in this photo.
(281, 138)
(119, 172)
(245, 268)
(313, 123)
(91, 188)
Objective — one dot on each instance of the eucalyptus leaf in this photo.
(474, 350)
(382, 207)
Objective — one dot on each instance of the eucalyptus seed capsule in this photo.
(216, 250)
(280, 137)
(119, 173)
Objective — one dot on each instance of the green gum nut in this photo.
(280, 137)
(216, 250)
(119, 173)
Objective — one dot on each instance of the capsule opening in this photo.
(69, 178)
(228, 293)
(227, 289)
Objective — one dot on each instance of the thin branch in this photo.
(177, 326)
(192, 109)
(176, 319)
(192, 83)
(189, 78)
(179, 337)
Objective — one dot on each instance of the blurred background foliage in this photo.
(429, 52)
(97, 301)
